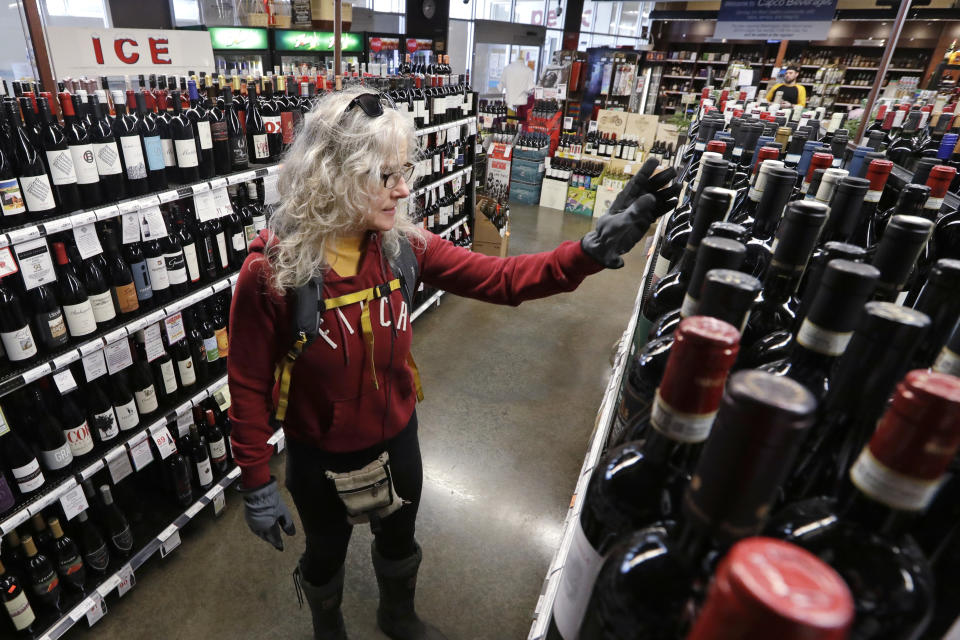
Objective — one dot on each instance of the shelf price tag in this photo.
(73, 502)
(219, 500)
(140, 451)
(94, 365)
(152, 342)
(163, 440)
(270, 193)
(151, 223)
(183, 424)
(130, 223)
(205, 205)
(221, 200)
(118, 356)
(127, 579)
(36, 266)
(169, 540)
(118, 462)
(175, 330)
(88, 243)
(65, 381)
(96, 610)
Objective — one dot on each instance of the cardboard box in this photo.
(580, 201)
(605, 197)
(553, 193)
(609, 121)
(488, 240)
(526, 171)
(525, 192)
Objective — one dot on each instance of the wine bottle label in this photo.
(85, 163)
(127, 297)
(45, 585)
(219, 132)
(57, 458)
(792, 158)
(873, 195)
(19, 344)
(249, 233)
(146, 399)
(259, 223)
(133, 160)
(286, 126)
(141, 278)
(823, 341)
(103, 309)
(154, 148)
(223, 342)
(61, 167)
(660, 267)
(576, 583)
(218, 450)
(193, 265)
(98, 559)
(28, 477)
(38, 194)
(80, 319)
(186, 153)
(176, 267)
(106, 424)
(212, 348)
(238, 150)
(947, 362)
(157, 268)
(239, 241)
(890, 487)
(52, 328)
(689, 306)
(203, 132)
(204, 472)
(676, 425)
(261, 148)
(188, 375)
(123, 540)
(79, 439)
(932, 204)
(11, 199)
(222, 249)
(20, 611)
(107, 158)
(169, 377)
(127, 416)
(70, 566)
(273, 125)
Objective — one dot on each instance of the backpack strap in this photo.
(408, 268)
(306, 324)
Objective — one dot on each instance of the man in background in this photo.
(791, 92)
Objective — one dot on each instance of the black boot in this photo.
(397, 580)
(324, 602)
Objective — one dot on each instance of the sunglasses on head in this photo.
(370, 103)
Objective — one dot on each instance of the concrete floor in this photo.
(511, 398)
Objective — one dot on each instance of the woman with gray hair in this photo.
(320, 343)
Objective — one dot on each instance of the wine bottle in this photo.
(188, 244)
(99, 292)
(198, 349)
(12, 554)
(12, 203)
(184, 141)
(867, 230)
(201, 458)
(178, 470)
(272, 120)
(81, 151)
(106, 154)
(219, 132)
(48, 322)
(55, 453)
(217, 444)
(15, 602)
(133, 256)
(19, 459)
(236, 136)
(149, 130)
(153, 253)
(185, 369)
(124, 402)
(16, 336)
(42, 580)
(903, 240)
(103, 419)
(204, 138)
(121, 538)
(75, 428)
(59, 160)
(174, 260)
(845, 207)
(42, 536)
(96, 554)
(646, 582)
(67, 559)
(218, 319)
(939, 301)
(132, 151)
(778, 187)
(34, 182)
(258, 146)
(120, 277)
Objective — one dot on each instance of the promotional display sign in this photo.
(379, 43)
(315, 41)
(775, 19)
(81, 51)
(419, 44)
(239, 38)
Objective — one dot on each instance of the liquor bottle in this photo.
(896, 255)
(118, 529)
(144, 390)
(15, 602)
(201, 123)
(201, 458)
(75, 427)
(123, 285)
(236, 137)
(149, 130)
(81, 151)
(178, 472)
(272, 120)
(174, 260)
(102, 418)
(18, 457)
(184, 141)
(55, 453)
(219, 132)
(153, 253)
(17, 338)
(258, 146)
(48, 323)
(99, 292)
(217, 444)
(124, 402)
(105, 151)
(34, 182)
(185, 368)
(96, 554)
(132, 151)
(761, 589)
(648, 579)
(939, 301)
(59, 160)
(777, 189)
(42, 537)
(218, 319)
(67, 558)
(863, 533)
(878, 356)
(41, 579)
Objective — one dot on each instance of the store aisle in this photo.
(511, 397)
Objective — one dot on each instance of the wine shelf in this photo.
(447, 125)
(37, 503)
(419, 311)
(114, 581)
(18, 379)
(33, 231)
(445, 179)
(446, 233)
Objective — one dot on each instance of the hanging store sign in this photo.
(238, 38)
(378, 44)
(315, 41)
(775, 19)
(419, 44)
(83, 51)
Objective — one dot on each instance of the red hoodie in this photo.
(334, 404)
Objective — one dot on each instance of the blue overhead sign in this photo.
(775, 19)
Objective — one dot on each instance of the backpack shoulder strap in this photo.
(406, 267)
(306, 323)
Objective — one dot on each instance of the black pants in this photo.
(324, 516)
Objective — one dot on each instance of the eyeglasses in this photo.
(370, 103)
(391, 180)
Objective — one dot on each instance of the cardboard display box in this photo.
(605, 197)
(487, 239)
(553, 193)
(580, 201)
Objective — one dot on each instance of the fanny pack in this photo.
(368, 493)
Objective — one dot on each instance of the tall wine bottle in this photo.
(258, 146)
(34, 181)
(16, 336)
(149, 130)
(121, 538)
(18, 457)
(184, 141)
(67, 558)
(59, 160)
(16, 603)
(132, 151)
(81, 151)
(42, 579)
(48, 322)
(105, 151)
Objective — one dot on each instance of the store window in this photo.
(16, 60)
(529, 12)
(461, 10)
(629, 18)
(76, 8)
(493, 10)
(599, 17)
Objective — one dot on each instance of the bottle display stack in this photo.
(790, 371)
(124, 226)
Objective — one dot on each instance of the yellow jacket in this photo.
(801, 93)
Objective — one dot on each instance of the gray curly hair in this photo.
(329, 178)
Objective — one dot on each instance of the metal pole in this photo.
(884, 63)
(337, 28)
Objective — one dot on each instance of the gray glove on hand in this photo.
(266, 513)
(617, 233)
(645, 181)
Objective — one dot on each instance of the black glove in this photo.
(266, 514)
(617, 233)
(660, 185)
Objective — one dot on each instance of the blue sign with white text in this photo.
(775, 19)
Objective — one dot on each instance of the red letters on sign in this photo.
(158, 47)
(118, 48)
(97, 50)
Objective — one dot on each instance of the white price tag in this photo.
(64, 381)
(270, 193)
(222, 397)
(194, 509)
(24, 235)
(175, 330)
(94, 365)
(168, 196)
(7, 264)
(183, 424)
(131, 227)
(538, 93)
(36, 373)
(96, 610)
(219, 501)
(152, 342)
(561, 92)
(108, 585)
(106, 213)
(151, 223)
(221, 199)
(205, 205)
(118, 462)
(127, 579)
(88, 243)
(165, 445)
(36, 266)
(68, 358)
(73, 502)
(140, 451)
(118, 356)
(169, 540)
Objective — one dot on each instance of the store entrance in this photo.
(497, 44)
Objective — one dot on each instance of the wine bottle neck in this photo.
(874, 516)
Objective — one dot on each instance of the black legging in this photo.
(325, 518)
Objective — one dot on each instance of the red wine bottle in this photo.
(16, 336)
(56, 456)
(81, 150)
(144, 390)
(12, 205)
(201, 123)
(174, 260)
(219, 132)
(96, 553)
(188, 243)
(133, 256)
(197, 346)
(867, 232)
(34, 182)
(258, 146)
(778, 187)
(152, 144)
(184, 142)
(118, 529)
(153, 252)
(896, 255)
(218, 445)
(122, 284)
(178, 470)
(16, 603)
(218, 318)
(200, 456)
(132, 151)
(105, 151)
(99, 292)
(42, 579)
(845, 209)
(163, 119)
(939, 301)
(236, 136)
(18, 457)
(67, 558)
(272, 120)
(75, 428)
(48, 322)
(102, 418)
(123, 401)
(59, 160)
